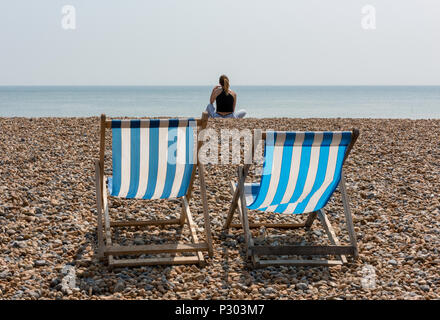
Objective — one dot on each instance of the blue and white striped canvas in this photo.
(152, 158)
(300, 173)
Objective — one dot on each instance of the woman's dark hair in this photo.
(224, 82)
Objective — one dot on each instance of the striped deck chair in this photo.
(301, 171)
(152, 159)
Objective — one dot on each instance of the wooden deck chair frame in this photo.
(256, 252)
(106, 249)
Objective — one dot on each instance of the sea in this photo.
(413, 102)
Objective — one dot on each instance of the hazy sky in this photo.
(192, 42)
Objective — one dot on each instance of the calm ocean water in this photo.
(260, 101)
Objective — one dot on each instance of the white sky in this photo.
(192, 42)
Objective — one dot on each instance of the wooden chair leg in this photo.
(232, 208)
(182, 214)
(107, 230)
(238, 208)
(348, 216)
(244, 217)
(330, 232)
(311, 217)
(206, 219)
(192, 230)
(247, 235)
(235, 203)
(99, 209)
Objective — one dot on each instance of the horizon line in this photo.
(210, 85)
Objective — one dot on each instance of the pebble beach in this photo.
(48, 219)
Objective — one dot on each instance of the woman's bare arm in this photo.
(215, 92)
(235, 100)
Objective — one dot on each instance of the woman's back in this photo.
(225, 102)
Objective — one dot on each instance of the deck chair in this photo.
(152, 159)
(301, 171)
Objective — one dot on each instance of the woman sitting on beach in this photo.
(225, 99)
